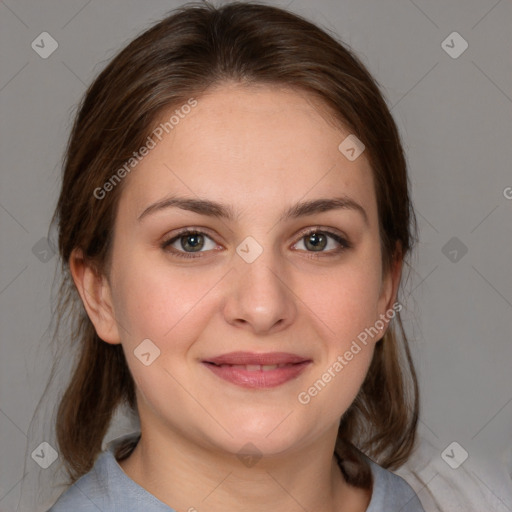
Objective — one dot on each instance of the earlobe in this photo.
(95, 293)
(389, 289)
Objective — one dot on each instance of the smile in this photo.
(252, 370)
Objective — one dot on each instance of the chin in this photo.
(264, 436)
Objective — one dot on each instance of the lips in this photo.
(253, 370)
(253, 358)
(255, 367)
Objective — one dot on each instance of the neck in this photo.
(191, 478)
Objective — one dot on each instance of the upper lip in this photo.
(254, 358)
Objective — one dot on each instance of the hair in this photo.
(195, 48)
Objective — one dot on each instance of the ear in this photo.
(94, 290)
(389, 287)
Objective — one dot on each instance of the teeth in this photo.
(256, 367)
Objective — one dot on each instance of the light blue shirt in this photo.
(107, 488)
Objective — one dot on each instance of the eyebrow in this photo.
(224, 211)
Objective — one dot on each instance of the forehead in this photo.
(250, 146)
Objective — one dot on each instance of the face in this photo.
(250, 290)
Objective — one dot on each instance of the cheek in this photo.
(155, 302)
(346, 299)
(347, 307)
(165, 307)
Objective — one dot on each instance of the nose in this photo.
(260, 298)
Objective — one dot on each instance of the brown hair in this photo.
(195, 48)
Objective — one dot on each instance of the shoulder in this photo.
(90, 492)
(391, 492)
(107, 488)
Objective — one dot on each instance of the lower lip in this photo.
(258, 378)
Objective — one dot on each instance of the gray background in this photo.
(454, 115)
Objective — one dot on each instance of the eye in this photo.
(316, 240)
(188, 242)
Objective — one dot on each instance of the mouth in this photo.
(253, 370)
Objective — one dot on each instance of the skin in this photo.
(259, 149)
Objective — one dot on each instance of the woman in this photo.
(234, 218)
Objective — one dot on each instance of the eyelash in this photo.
(180, 254)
